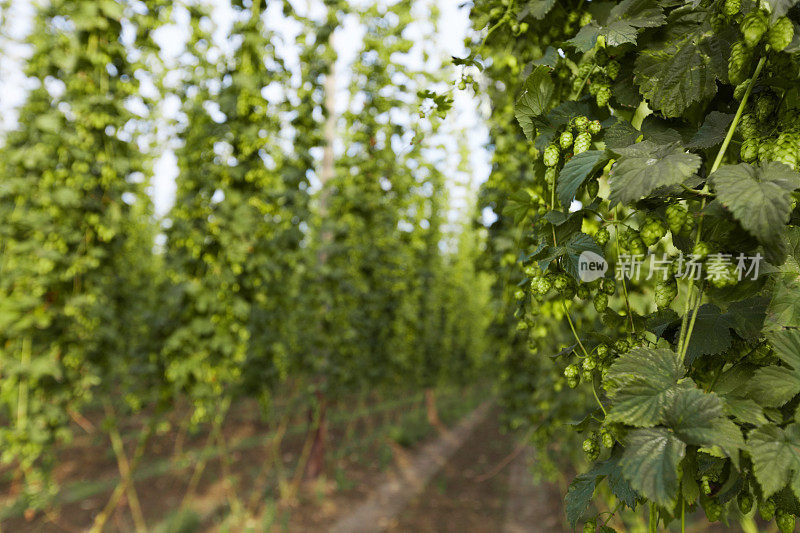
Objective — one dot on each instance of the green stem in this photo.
(653, 519)
(572, 327)
(739, 111)
(683, 515)
(585, 80)
(624, 285)
(683, 342)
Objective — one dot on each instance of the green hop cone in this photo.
(542, 286)
(551, 155)
(595, 127)
(600, 302)
(606, 438)
(705, 485)
(573, 382)
(652, 231)
(585, 19)
(602, 351)
(666, 291)
(753, 27)
(765, 106)
(748, 126)
(676, 218)
(713, 510)
(590, 363)
(749, 151)
(589, 526)
(572, 371)
(582, 142)
(612, 69)
(731, 7)
(785, 521)
(584, 70)
(519, 294)
(739, 63)
(565, 140)
(621, 345)
(786, 149)
(609, 286)
(581, 123)
(590, 448)
(636, 245)
(780, 34)
(561, 283)
(586, 376)
(601, 237)
(701, 250)
(603, 95)
(766, 509)
(745, 502)
(583, 292)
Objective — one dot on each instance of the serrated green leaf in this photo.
(683, 68)
(574, 247)
(650, 463)
(744, 410)
(646, 166)
(534, 100)
(622, 26)
(518, 206)
(620, 135)
(537, 8)
(576, 171)
(786, 344)
(712, 132)
(711, 333)
(773, 386)
(747, 316)
(776, 457)
(641, 384)
(691, 414)
(758, 197)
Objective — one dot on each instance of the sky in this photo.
(464, 120)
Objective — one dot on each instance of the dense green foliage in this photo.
(267, 271)
(673, 125)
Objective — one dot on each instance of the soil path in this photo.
(379, 510)
(531, 507)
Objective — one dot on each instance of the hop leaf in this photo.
(758, 197)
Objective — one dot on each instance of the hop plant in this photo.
(603, 95)
(572, 371)
(565, 140)
(701, 250)
(780, 34)
(600, 302)
(551, 155)
(582, 142)
(785, 521)
(589, 526)
(591, 449)
(749, 151)
(581, 123)
(753, 27)
(606, 438)
(766, 509)
(666, 291)
(713, 510)
(612, 69)
(745, 502)
(731, 7)
(601, 237)
(652, 231)
(676, 218)
(739, 62)
(595, 127)
(748, 126)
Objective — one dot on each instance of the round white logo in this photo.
(591, 266)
